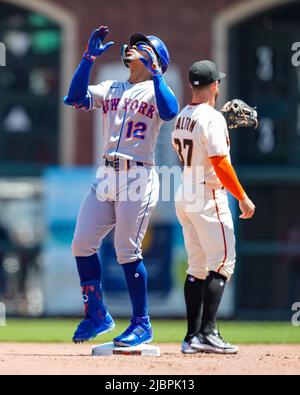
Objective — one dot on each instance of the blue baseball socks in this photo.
(139, 331)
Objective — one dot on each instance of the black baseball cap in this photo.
(204, 72)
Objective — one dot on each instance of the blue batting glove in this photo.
(95, 45)
(151, 63)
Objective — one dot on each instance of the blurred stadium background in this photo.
(49, 153)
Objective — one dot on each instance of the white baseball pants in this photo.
(208, 233)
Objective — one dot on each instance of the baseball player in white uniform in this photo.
(132, 113)
(201, 140)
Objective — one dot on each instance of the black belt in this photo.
(116, 163)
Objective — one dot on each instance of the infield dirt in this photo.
(39, 358)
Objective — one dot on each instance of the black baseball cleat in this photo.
(214, 343)
(192, 345)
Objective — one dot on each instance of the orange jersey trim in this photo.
(227, 176)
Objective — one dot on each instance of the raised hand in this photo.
(95, 46)
(150, 61)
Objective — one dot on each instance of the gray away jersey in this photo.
(130, 118)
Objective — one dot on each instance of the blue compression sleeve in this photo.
(79, 84)
(165, 99)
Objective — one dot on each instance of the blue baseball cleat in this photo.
(138, 332)
(97, 319)
(88, 329)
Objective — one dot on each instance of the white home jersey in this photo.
(200, 132)
(131, 121)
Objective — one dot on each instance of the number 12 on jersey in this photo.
(136, 130)
(184, 150)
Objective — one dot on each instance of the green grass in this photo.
(165, 331)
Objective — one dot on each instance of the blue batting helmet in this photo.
(158, 46)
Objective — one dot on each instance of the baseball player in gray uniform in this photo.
(132, 114)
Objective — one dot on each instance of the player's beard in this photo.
(128, 59)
